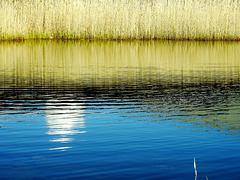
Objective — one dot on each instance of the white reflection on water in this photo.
(64, 119)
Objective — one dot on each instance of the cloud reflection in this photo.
(64, 119)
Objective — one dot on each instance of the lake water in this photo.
(119, 110)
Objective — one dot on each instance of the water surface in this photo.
(119, 110)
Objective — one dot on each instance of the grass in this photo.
(120, 19)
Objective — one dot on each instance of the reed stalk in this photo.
(120, 19)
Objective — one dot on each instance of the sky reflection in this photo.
(64, 119)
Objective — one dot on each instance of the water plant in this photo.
(120, 19)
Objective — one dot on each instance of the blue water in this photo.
(119, 110)
(132, 135)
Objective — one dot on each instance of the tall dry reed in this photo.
(120, 19)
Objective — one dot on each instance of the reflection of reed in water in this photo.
(216, 108)
(64, 120)
(54, 64)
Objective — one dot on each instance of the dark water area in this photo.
(119, 110)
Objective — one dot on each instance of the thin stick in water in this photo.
(195, 167)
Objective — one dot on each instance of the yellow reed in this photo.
(120, 19)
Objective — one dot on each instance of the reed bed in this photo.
(120, 19)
